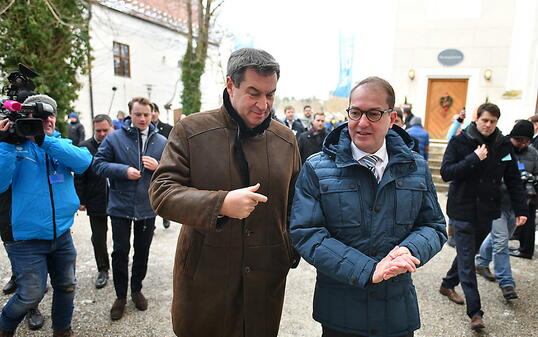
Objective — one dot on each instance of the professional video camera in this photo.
(530, 183)
(17, 113)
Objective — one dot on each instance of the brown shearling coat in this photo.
(229, 275)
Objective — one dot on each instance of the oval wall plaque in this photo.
(450, 57)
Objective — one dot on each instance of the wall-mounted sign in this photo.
(450, 57)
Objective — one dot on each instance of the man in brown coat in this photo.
(228, 175)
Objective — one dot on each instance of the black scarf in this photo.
(491, 141)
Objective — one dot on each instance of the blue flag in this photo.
(347, 47)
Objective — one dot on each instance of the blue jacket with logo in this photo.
(44, 200)
(119, 151)
(343, 223)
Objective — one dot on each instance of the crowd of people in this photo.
(254, 195)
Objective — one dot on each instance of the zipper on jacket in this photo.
(51, 197)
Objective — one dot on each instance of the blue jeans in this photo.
(31, 261)
(495, 247)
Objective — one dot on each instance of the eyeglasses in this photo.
(373, 115)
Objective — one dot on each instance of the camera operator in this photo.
(495, 246)
(39, 171)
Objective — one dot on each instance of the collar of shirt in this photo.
(382, 153)
(144, 135)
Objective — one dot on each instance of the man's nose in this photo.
(261, 103)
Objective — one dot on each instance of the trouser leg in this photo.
(99, 227)
(143, 236)
(121, 234)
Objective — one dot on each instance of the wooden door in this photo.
(446, 97)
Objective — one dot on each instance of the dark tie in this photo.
(369, 161)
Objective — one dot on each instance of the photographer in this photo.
(39, 171)
(495, 246)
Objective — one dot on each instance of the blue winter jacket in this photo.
(423, 137)
(44, 200)
(119, 151)
(343, 223)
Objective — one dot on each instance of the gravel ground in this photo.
(439, 316)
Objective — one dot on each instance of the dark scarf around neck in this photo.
(244, 131)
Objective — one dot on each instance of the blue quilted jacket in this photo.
(343, 223)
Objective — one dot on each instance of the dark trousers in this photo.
(526, 232)
(469, 237)
(333, 333)
(99, 227)
(121, 235)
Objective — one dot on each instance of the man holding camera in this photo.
(495, 246)
(39, 171)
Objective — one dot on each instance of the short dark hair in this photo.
(493, 109)
(102, 117)
(155, 107)
(289, 107)
(139, 100)
(249, 58)
(306, 107)
(379, 83)
(318, 113)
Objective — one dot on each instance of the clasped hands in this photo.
(398, 261)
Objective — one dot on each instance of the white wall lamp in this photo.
(411, 74)
(487, 74)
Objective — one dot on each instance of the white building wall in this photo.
(495, 34)
(155, 56)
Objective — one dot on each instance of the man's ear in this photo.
(229, 86)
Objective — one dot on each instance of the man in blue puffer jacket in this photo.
(43, 203)
(366, 214)
(128, 157)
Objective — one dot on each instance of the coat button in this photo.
(353, 186)
(354, 279)
(248, 232)
(400, 184)
(247, 269)
(324, 188)
(376, 209)
(422, 185)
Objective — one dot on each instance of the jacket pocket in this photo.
(195, 244)
(341, 202)
(409, 194)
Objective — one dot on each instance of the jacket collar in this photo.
(337, 145)
(495, 139)
(131, 130)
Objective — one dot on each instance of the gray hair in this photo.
(249, 58)
(42, 99)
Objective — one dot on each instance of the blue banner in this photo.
(347, 47)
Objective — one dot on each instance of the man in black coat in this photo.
(92, 191)
(475, 163)
(310, 141)
(294, 124)
(162, 128)
(75, 130)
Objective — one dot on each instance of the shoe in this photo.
(139, 300)
(509, 293)
(452, 295)
(6, 333)
(118, 308)
(35, 319)
(63, 333)
(166, 223)
(451, 242)
(477, 323)
(102, 279)
(486, 273)
(518, 253)
(10, 286)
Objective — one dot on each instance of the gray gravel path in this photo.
(439, 316)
